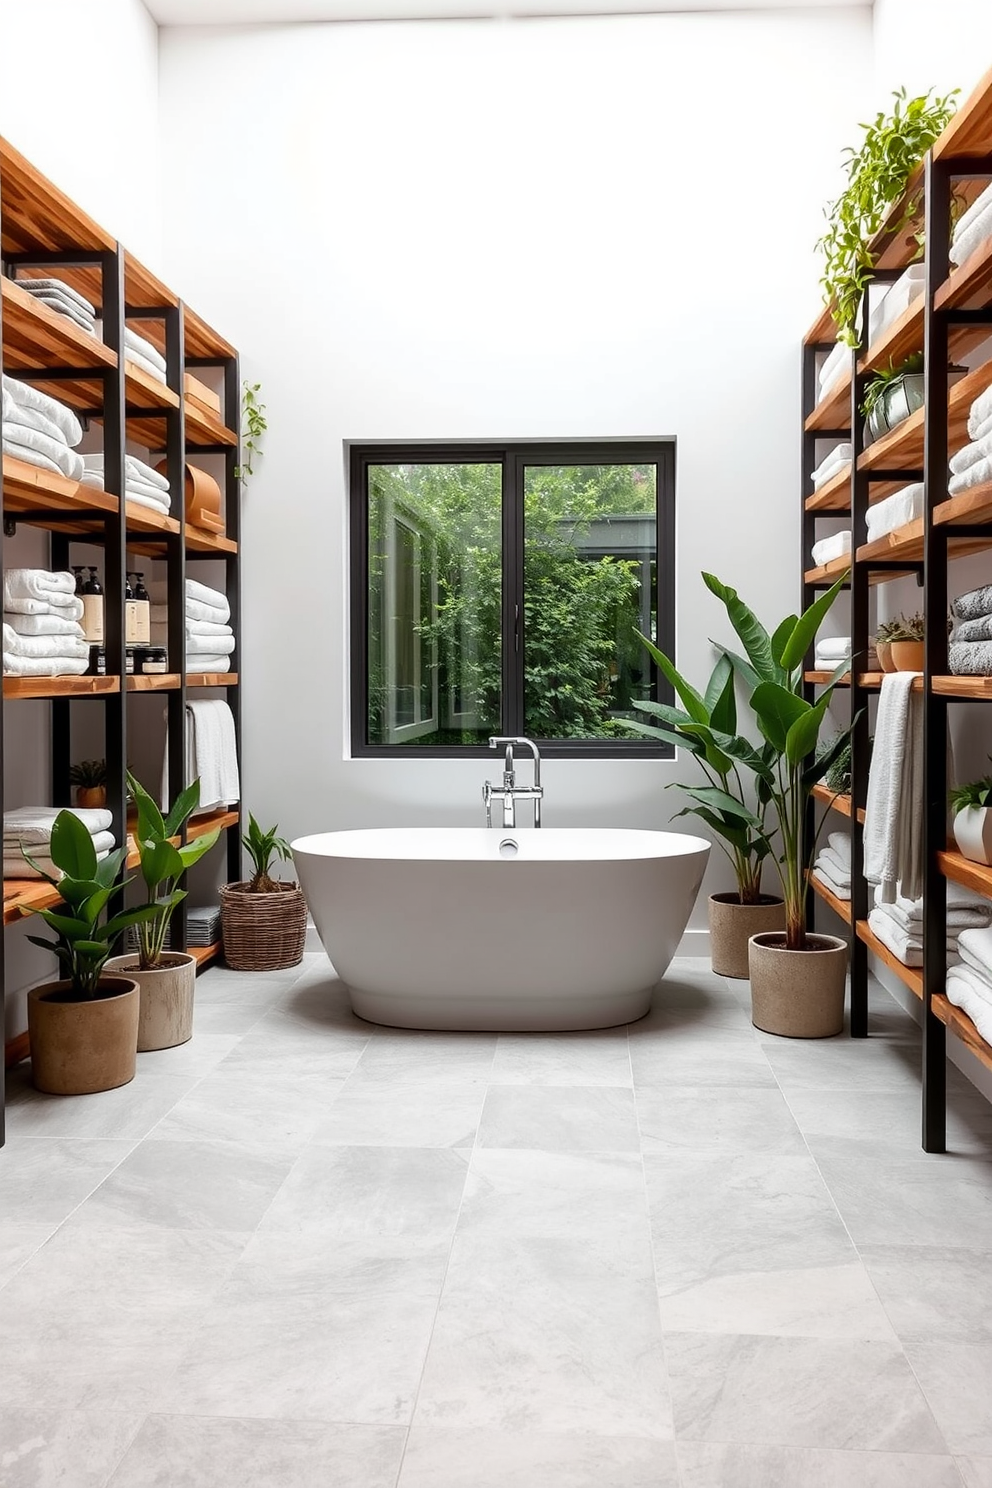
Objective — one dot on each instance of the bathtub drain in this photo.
(508, 848)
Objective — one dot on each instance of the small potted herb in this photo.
(883, 645)
(263, 921)
(973, 819)
(906, 643)
(90, 779)
(892, 395)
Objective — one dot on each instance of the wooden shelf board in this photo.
(35, 336)
(201, 825)
(144, 519)
(201, 339)
(969, 287)
(27, 487)
(841, 803)
(22, 896)
(37, 215)
(201, 428)
(958, 1023)
(833, 411)
(870, 680)
(823, 679)
(976, 689)
(53, 687)
(904, 542)
(211, 679)
(145, 291)
(834, 495)
(205, 955)
(970, 130)
(209, 542)
(841, 907)
(154, 682)
(900, 449)
(145, 391)
(962, 870)
(827, 573)
(822, 330)
(971, 506)
(910, 976)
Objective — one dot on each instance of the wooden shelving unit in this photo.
(840, 907)
(950, 319)
(43, 233)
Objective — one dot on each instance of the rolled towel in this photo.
(981, 413)
(969, 992)
(16, 644)
(57, 588)
(979, 474)
(34, 823)
(829, 648)
(839, 890)
(64, 623)
(979, 449)
(26, 396)
(28, 444)
(978, 231)
(840, 843)
(833, 369)
(829, 548)
(143, 348)
(895, 511)
(63, 290)
(974, 630)
(41, 666)
(970, 658)
(973, 605)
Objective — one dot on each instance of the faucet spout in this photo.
(510, 790)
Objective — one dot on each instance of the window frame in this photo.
(513, 457)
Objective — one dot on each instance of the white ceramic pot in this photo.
(166, 1009)
(973, 833)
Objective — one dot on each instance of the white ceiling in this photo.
(261, 12)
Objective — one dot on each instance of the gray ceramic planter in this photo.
(902, 397)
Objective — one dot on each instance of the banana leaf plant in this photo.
(703, 725)
(772, 668)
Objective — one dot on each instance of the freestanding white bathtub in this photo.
(514, 929)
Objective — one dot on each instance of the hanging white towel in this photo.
(893, 812)
(211, 726)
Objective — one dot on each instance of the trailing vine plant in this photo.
(253, 426)
(893, 145)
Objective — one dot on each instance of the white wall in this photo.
(921, 44)
(591, 227)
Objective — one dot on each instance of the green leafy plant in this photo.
(772, 668)
(263, 848)
(976, 793)
(877, 173)
(84, 942)
(163, 863)
(702, 726)
(253, 427)
(907, 628)
(88, 773)
(883, 631)
(886, 377)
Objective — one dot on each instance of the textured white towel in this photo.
(211, 645)
(833, 648)
(969, 991)
(895, 511)
(905, 947)
(38, 583)
(977, 208)
(31, 418)
(202, 602)
(974, 630)
(975, 234)
(61, 306)
(840, 843)
(839, 456)
(974, 604)
(28, 444)
(896, 299)
(134, 490)
(144, 349)
(30, 456)
(835, 863)
(145, 365)
(160, 622)
(29, 397)
(215, 752)
(34, 823)
(979, 474)
(201, 664)
(64, 623)
(12, 846)
(16, 867)
(833, 369)
(979, 449)
(978, 945)
(892, 844)
(831, 547)
(40, 666)
(964, 911)
(841, 889)
(981, 413)
(133, 467)
(16, 644)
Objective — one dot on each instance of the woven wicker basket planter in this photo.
(263, 932)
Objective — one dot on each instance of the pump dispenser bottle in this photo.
(92, 621)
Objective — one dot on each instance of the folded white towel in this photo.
(829, 548)
(897, 298)
(34, 823)
(892, 841)
(839, 456)
(160, 622)
(63, 290)
(145, 365)
(838, 867)
(840, 843)
(969, 991)
(30, 456)
(212, 645)
(28, 444)
(64, 623)
(840, 889)
(979, 474)
(215, 752)
(905, 947)
(965, 910)
(15, 414)
(895, 511)
(978, 944)
(979, 449)
(974, 630)
(202, 602)
(981, 412)
(133, 491)
(57, 588)
(133, 468)
(17, 867)
(144, 349)
(214, 663)
(977, 231)
(16, 644)
(40, 666)
(830, 648)
(26, 396)
(13, 849)
(833, 369)
(967, 218)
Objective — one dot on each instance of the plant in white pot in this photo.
(699, 726)
(798, 978)
(83, 1029)
(971, 805)
(263, 921)
(167, 979)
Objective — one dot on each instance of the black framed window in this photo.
(499, 589)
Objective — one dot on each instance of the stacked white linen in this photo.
(30, 828)
(42, 636)
(40, 430)
(833, 649)
(141, 483)
(969, 653)
(972, 465)
(829, 548)
(144, 355)
(831, 464)
(209, 637)
(900, 925)
(833, 865)
(903, 506)
(64, 300)
(969, 985)
(972, 228)
(833, 369)
(897, 298)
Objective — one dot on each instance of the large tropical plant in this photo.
(703, 726)
(772, 668)
(163, 863)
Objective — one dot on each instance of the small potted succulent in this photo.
(906, 643)
(166, 978)
(83, 1029)
(90, 779)
(263, 921)
(892, 395)
(973, 819)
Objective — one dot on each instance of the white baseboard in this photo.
(694, 943)
(312, 942)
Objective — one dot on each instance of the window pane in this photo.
(435, 594)
(590, 543)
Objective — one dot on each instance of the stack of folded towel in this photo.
(142, 484)
(895, 511)
(42, 636)
(900, 925)
(64, 300)
(897, 298)
(30, 828)
(40, 430)
(838, 459)
(831, 651)
(969, 653)
(209, 637)
(829, 548)
(144, 355)
(833, 369)
(969, 984)
(833, 865)
(972, 228)
(972, 466)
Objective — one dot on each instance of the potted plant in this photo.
(166, 979)
(721, 803)
(877, 173)
(263, 921)
(90, 779)
(883, 645)
(906, 643)
(83, 1029)
(892, 394)
(798, 978)
(973, 820)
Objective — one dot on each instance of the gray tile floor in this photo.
(304, 1251)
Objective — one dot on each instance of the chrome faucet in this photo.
(509, 792)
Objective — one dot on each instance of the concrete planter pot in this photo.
(973, 833)
(78, 1048)
(731, 926)
(907, 656)
(798, 994)
(165, 1016)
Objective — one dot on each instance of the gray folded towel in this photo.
(970, 658)
(974, 630)
(974, 604)
(61, 307)
(58, 286)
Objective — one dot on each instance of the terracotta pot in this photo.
(263, 932)
(884, 650)
(907, 656)
(798, 994)
(165, 1016)
(78, 1048)
(91, 796)
(731, 926)
(973, 833)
